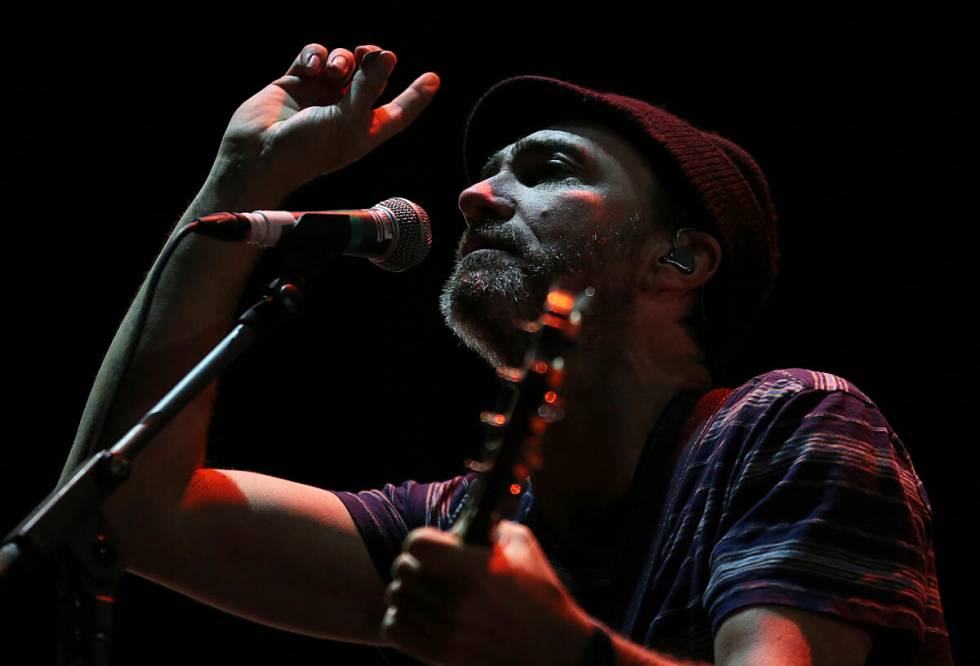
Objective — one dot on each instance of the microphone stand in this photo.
(68, 523)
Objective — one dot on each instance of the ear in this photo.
(697, 250)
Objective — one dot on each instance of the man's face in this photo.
(572, 201)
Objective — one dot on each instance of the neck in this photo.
(590, 457)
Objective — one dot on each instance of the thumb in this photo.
(517, 543)
(402, 111)
(506, 532)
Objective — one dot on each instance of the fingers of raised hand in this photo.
(309, 61)
(315, 61)
(374, 67)
(363, 50)
(366, 70)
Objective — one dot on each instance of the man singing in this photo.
(672, 521)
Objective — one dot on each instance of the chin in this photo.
(482, 305)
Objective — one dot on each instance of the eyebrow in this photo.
(537, 145)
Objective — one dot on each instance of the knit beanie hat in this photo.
(716, 181)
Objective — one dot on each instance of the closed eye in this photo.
(550, 170)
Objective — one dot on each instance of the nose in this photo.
(480, 205)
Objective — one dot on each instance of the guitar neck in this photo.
(537, 404)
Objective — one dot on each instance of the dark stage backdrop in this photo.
(861, 131)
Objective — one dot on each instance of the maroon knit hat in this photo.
(709, 175)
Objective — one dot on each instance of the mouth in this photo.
(477, 242)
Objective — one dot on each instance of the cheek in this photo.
(580, 218)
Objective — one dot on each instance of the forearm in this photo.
(190, 312)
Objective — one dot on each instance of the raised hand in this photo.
(319, 117)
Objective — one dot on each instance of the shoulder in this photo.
(780, 394)
(782, 417)
(799, 411)
(781, 385)
(794, 414)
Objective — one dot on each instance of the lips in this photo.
(476, 242)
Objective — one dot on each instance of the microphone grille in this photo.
(413, 235)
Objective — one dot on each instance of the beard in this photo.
(491, 291)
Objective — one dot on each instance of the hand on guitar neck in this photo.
(455, 603)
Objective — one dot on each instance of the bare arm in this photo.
(773, 634)
(277, 552)
(768, 635)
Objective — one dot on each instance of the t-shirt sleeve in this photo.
(385, 517)
(824, 512)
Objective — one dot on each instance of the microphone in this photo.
(394, 234)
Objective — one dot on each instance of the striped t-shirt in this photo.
(796, 491)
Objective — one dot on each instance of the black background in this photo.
(860, 127)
